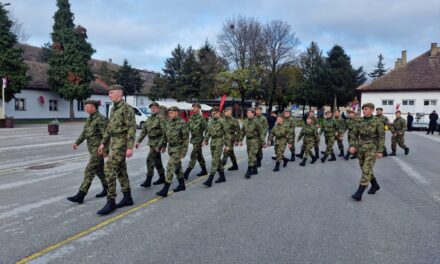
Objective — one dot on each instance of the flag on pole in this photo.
(222, 102)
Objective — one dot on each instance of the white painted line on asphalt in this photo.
(36, 145)
(411, 172)
(28, 207)
(431, 137)
(24, 182)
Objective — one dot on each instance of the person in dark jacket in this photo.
(433, 117)
(271, 119)
(409, 121)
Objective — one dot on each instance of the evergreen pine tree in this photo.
(379, 69)
(129, 78)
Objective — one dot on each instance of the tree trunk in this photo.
(72, 113)
(242, 106)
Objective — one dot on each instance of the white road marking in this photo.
(24, 182)
(28, 207)
(411, 172)
(36, 145)
(431, 137)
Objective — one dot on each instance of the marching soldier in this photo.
(251, 129)
(340, 130)
(350, 124)
(311, 115)
(290, 122)
(283, 137)
(233, 129)
(119, 136)
(398, 128)
(176, 137)
(220, 138)
(310, 134)
(329, 129)
(367, 142)
(93, 130)
(154, 128)
(386, 122)
(197, 126)
(264, 127)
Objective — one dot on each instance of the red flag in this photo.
(397, 106)
(222, 102)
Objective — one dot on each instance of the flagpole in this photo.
(3, 99)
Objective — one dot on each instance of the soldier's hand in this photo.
(101, 149)
(240, 144)
(182, 157)
(226, 149)
(137, 145)
(379, 155)
(129, 153)
(163, 150)
(290, 145)
(352, 150)
(75, 146)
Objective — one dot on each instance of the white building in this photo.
(412, 86)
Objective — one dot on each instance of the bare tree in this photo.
(17, 28)
(280, 49)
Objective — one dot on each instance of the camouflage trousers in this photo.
(260, 151)
(367, 158)
(329, 142)
(116, 167)
(230, 154)
(154, 160)
(292, 149)
(280, 147)
(308, 144)
(340, 141)
(399, 138)
(95, 166)
(315, 144)
(174, 165)
(196, 155)
(216, 154)
(252, 146)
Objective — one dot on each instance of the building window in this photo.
(408, 102)
(20, 104)
(53, 105)
(430, 102)
(387, 102)
(80, 106)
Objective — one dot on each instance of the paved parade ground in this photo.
(299, 215)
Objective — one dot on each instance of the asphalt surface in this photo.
(299, 215)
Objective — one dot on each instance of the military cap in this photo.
(115, 87)
(250, 109)
(154, 104)
(173, 109)
(93, 102)
(329, 112)
(215, 109)
(280, 115)
(287, 109)
(258, 108)
(369, 105)
(228, 108)
(398, 111)
(350, 111)
(196, 105)
(379, 108)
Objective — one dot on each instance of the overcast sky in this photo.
(145, 31)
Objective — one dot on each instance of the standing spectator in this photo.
(271, 120)
(433, 117)
(409, 120)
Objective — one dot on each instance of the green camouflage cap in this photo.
(227, 108)
(153, 104)
(369, 105)
(115, 87)
(250, 109)
(287, 110)
(197, 105)
(93, 102)
(215, 109)
(379, 108)
(173, 109)
(259, 108)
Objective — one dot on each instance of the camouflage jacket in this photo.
(177, 135)
(121, 127)
(340, 125)
(350, 124)
(251, 129)
(398, 126)
(385, 121)
(218, 133)
(282, 133)
(93, 131)
(232, 127)
(314, 120)
(290, 122)
(197, 125)
(154, 128)
(328, 126)
(309, 132)
(368, 133)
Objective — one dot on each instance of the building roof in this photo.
(419, 74)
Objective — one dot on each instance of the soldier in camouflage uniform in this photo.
(310, 134)
(398, 128)
(264, 127)
(367, 142)
(218, 132)
(386, 122)
(197, 126)
(119, 136)
(177, 139)
(251, 129)
(154, 128)
(283, 137)
(311, 115)
(233, 129)
(329, 128)
(93, 130)
(290, 122)
(350, 124)
(340, 131)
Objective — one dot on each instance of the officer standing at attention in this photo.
(197, 126)
(119, 136)
(386, 122)
(251, 129)
(177, 140)
(398, 130)
(154, 128)
(220, 138)
(93, 131)
(233, 129)
(264, 127)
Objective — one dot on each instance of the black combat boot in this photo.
(277, 166)
(285, 161)
(324, 158)
(126, 200)
(317, 153)
(358, 194)
(258, 162)
(234, 167)
(406, 151)
(323, 152)
(103, 193)
(109, 207)
(393, 153)
(314, 159)
(385, 153)
(374, 187)
(303, 162)
(274, 158)
(354, 156)
(181, 186)
(203, 172)
(333, 158)
(208, 181)
(341, 154)
(300, 155)
(164, 191)
(248, 173)
(292, 157)
(186, 173)
(347, 155)
(147, 182)
(222, 177)
(254, 170)
(78, 198)
(161, 179)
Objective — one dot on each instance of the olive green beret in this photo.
(173, 109)
(196, 105)
(398, 111)
(215, 109)
(287, 110)
(250, 109)
(228, 108)
(369, 105)
(93, 102)
(115, 87)
(379, 108)
(153, 104)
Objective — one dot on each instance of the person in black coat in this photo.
(271, 120)
(433, 117)
(409, 121)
